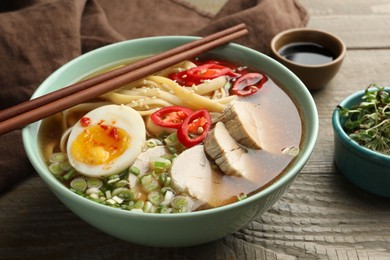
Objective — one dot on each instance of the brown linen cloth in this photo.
(38, 36)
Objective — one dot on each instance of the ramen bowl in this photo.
(315, 73)
(182, 229)
(367, 169)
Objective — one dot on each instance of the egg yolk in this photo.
(100, 144)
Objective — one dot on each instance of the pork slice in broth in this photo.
(239, 119)
(191, 173)
(224, 150)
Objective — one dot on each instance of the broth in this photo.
(281, 128)
(307, 53)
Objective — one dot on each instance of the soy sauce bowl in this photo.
(367, 169)
(314, 75)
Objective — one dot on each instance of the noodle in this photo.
(189, 97)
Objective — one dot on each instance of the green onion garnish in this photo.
(65, 165)
(179, 202)
(139, 204)
(134, 170)
(57, 157)
(113, 178)
(151, 143)
(79, 184)
(55, 168)
(123, 193)
(171, 140)
(122, 183)
(94, 183)
(155, 198)
(69, 174)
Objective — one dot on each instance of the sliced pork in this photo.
(192, 172)
(239, 119)
(224, 150)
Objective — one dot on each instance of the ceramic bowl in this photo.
(173, 230)
(313, 76)
(367, 169)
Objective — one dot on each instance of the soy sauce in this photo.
(307, 53)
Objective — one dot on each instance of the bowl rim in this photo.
(278, 36)
(279, 182)
(347, 102)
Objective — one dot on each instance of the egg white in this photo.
(125, 118)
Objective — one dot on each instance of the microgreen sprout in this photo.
(368, 122)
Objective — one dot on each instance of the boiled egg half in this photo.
(107, 140)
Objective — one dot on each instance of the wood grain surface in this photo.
(322, 215)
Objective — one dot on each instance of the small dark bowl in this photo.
(313, 76)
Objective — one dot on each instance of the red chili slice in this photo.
(194, 128)
(85, 121)
(170, 117)
(248, 84)
(199, 74)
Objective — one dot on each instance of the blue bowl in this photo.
(365, 168)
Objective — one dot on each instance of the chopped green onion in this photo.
(78, 192)
(65, 165)
(149, 187)
(167, 197)
(113, 178)
(171, 140)
(165, 210)
(69, 174)
(179, 202)
(165, 189)
(133, 180)
(78, 184)
(159, 163)
(165, 179)
(55, 168)
(57, 157)
(117, 199)
(168, 181)
(122, 183)
(154, 198)
(148, 206)
(123, 193)
(123, 174)
(242, 196)
(151, 143)
(94, 183)
(108, 194)
(145, 180)
(134, 170)
(93, 190)
(111, 201)
(131, 204)
(172, 149)
(139, 204)
(94, 196)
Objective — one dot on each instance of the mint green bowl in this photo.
(365, 168)
(173, 230)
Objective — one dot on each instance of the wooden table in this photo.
(321, 216)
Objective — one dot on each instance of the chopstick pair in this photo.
(33, 110)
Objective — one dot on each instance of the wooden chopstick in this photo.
(39, 108)
(45, 99)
